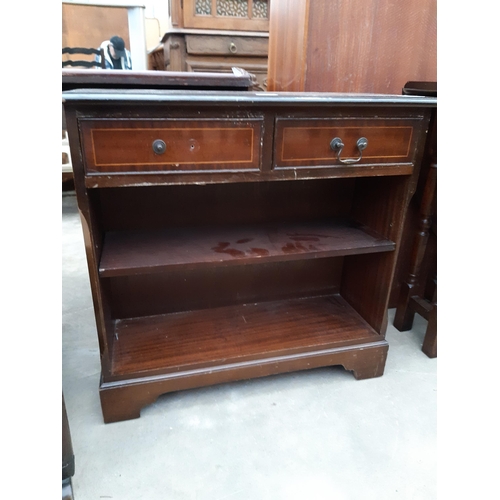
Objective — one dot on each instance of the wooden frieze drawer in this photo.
(171, 145)
(226, 45)
(306, 143)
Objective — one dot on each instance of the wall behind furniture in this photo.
(351, 46)
(89, 25)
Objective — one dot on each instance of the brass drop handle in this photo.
(232, 48)
(337, 145)
(159, 146)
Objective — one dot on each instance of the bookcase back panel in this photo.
(155, 207)
(180, 290)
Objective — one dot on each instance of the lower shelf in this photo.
(184, 341)
(159, 354)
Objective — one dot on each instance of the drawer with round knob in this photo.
(214, 45)
(171, 145)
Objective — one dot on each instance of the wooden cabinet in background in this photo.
(345, 46)
(414, 287)
(238, 15)
(216, 36)
(216, 51)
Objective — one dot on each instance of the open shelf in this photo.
(148, 251)
(220, 336)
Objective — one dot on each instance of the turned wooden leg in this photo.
(403, 319)
(429, 346)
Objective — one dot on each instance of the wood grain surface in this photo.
(223, 335)
(132, 252)
(345, 46)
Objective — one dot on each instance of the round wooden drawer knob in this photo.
(159, 146)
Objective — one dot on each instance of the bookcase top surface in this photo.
(196, 97)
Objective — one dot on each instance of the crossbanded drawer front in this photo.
(307, 143)
(171, 145)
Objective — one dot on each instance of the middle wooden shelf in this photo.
(128, 252)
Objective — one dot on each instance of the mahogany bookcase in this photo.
(232, 235)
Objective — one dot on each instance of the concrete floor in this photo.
(318, 434)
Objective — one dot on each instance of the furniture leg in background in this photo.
(68, 459)
(410, 303)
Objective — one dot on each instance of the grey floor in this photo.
(319, 434)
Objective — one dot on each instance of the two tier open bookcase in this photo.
(232, 235)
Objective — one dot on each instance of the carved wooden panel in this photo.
(250, 15)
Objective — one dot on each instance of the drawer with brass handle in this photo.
(358, 142)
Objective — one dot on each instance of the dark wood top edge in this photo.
(144, 96)
(152, 79)
(420, 88)
(212, 32)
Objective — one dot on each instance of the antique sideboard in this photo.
(215, 36)
(233, 235)
(213, 51)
